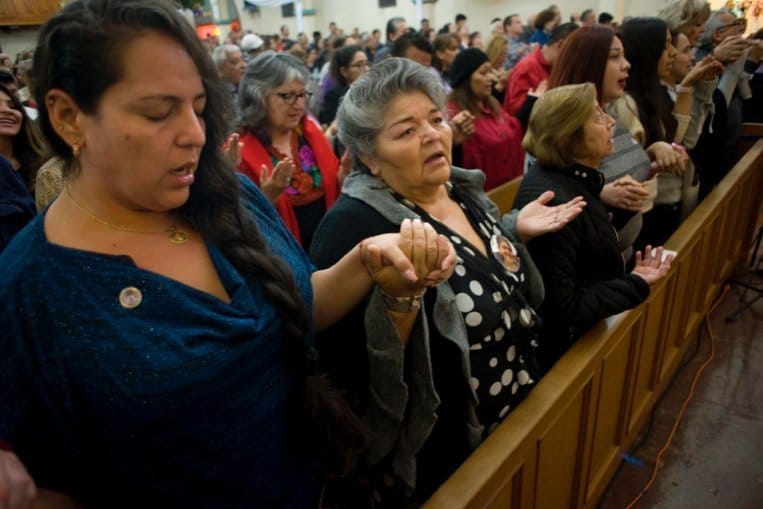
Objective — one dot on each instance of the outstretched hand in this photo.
(536, 218)
(650, 266)
(401, 264)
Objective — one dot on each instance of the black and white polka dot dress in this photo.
(501, 326)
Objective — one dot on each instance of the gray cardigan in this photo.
(401, 413)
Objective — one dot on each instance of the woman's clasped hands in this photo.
(403, 263)
(667, 158)
(625, 193)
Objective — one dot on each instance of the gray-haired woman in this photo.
(469, 360)
(285, 151)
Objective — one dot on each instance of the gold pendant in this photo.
(178, 236)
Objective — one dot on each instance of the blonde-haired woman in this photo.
(496, 50)
(569, 135)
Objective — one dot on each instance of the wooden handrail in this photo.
(751, 133)
(561, 447)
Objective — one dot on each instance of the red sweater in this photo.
(254, 155)
(495, 147)
(526, 76)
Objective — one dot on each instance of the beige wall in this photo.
(16, 41)
(366, 15)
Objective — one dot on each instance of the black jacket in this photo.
(17, 206)
(582, 269)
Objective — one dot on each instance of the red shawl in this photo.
(254, 155)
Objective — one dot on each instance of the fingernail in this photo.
(410, 275)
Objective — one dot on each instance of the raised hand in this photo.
(232, 149)
(650, 266)
(463, 126)
(273, 183)
(536, 218)
(730, 49)
(706, 69)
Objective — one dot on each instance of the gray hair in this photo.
(266, 72)
(220, 54)
(361, 112)
(679, 13)
(713, 23)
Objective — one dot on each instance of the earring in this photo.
(75, 150)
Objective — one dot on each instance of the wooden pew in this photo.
(561, 447)
(751, 133)
(504, 195)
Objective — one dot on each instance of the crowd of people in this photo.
(266, 272)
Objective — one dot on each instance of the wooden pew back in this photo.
(504, 195)
(561, 447)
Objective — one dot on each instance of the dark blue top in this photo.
(540, 36)
(178, 402)
(17, 206)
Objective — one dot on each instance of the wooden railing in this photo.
(561, 447)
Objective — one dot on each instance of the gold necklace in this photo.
(176, 236)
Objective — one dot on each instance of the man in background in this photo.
(395, 28)
(513, 30)
(588, 18)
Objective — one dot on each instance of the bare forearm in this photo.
(338, 289)
(404, 323)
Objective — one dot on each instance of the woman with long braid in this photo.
(158, 317)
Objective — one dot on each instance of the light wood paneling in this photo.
(27, 12)
(560, 448)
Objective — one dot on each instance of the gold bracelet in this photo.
(403, 304)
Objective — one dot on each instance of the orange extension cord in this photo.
(710, 357)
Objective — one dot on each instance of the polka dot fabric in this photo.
(502, 327)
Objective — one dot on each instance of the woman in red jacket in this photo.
(284, 150)
(496, 145)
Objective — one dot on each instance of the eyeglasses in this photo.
(737, 23)
(361, 65)
(291, 98)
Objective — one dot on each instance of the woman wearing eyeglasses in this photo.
(284, 150)
(347, 65)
